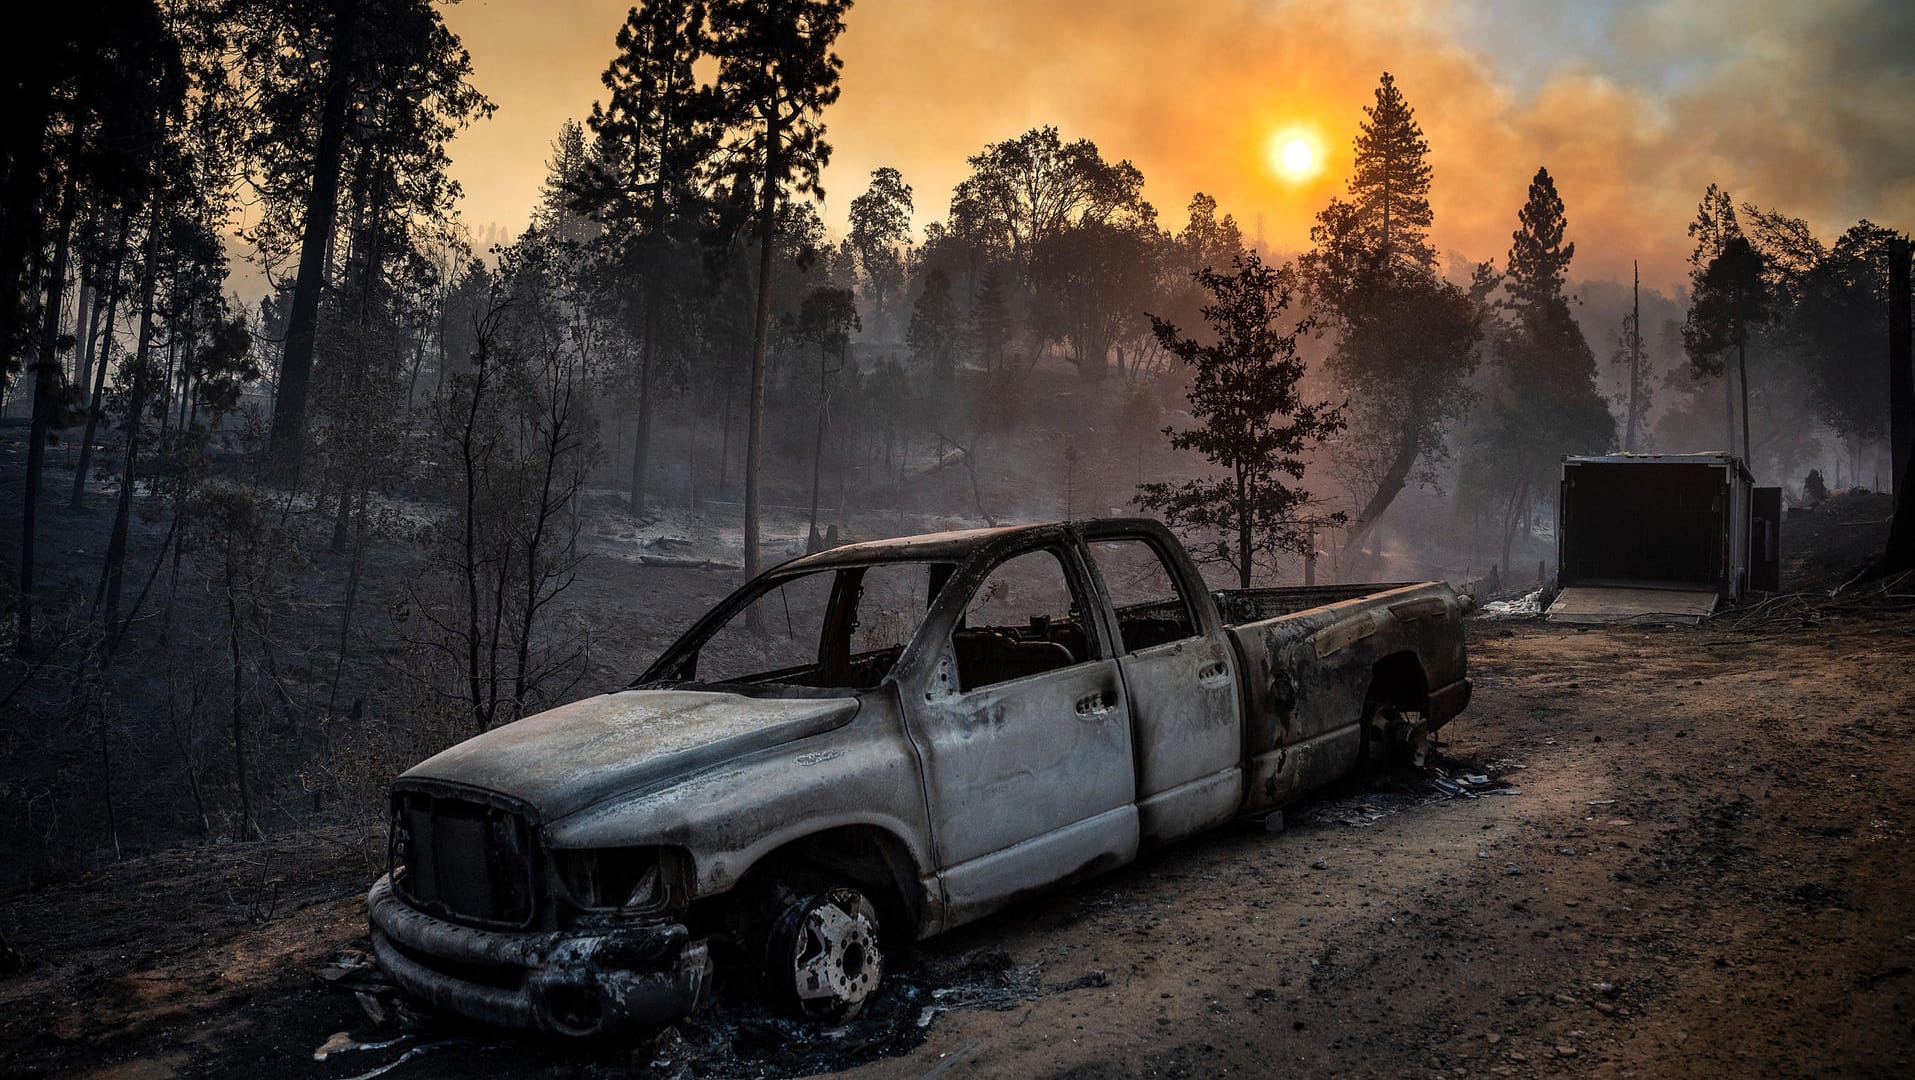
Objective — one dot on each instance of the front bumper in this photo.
(578, 983)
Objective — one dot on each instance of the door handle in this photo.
(1212, 674)
(1094, 704)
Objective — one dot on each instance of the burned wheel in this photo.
(1390, 738)
(823, 960)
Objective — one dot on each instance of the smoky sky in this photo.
(1635, 107)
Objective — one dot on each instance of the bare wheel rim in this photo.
(836, 962)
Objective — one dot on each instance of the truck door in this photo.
(1184, 705)
(1026, 744)
(1765, 540)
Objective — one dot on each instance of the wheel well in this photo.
(1397, 679)
(865, 856)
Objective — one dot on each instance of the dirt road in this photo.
(1704, 870)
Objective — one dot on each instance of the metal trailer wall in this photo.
(1582, 515)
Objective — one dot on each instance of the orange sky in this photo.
(1800, 106)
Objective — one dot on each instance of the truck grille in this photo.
(463, 859)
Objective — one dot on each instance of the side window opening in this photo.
(887, 607)
(1023, 620)
(1151, 608)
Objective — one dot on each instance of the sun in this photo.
(1298, 159)
(1294, 154)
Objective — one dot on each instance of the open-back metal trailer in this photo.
(1662, 537)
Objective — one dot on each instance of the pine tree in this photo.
(1543, 400)
(333, 81)
(654, 134)
(1538, 258)
(1391, 185)
(1714, 226)
(1731, 298)
(777, 75)
(558, 214)
(1406, 339)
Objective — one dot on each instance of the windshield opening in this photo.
(841, 628)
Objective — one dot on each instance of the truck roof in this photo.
(943, 546)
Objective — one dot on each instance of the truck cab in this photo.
(874, 744)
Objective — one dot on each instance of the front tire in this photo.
(823, 960)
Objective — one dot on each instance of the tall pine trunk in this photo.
(247, 826)
(812, 539)
(724, 447)
(86, 323)
(105, 362)
(1244, 526)
(135, 415)
(45, 400)
(760, 344)
(642, 437)
(1728, 408)
(1742, 374)
(287, 443)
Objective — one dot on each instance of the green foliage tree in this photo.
(992, 320)
(563, 211)
(1094, 279)
(1254, 422)
(880, 222)
(1538, 256)
(1715, 224)
(1832, 323)
(1024, 190)
(1205, 242)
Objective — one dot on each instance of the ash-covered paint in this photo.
(950, 802)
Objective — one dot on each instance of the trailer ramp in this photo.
(1591, 604)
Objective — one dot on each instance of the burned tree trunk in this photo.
(1900, 555)
(642, 437)
(247, 826)
(1901, 380)
(99, 373)
(45, 400)
(135, 416)
(760, 346)
(1391, 485)
(322, 204)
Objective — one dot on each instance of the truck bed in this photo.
(1238, 606)
(1313, 657)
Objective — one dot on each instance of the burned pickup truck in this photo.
(877, 743)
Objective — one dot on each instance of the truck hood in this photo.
(566, 759)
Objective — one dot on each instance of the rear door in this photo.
(1025, 738)
(1765, 540)
(1180, 674)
